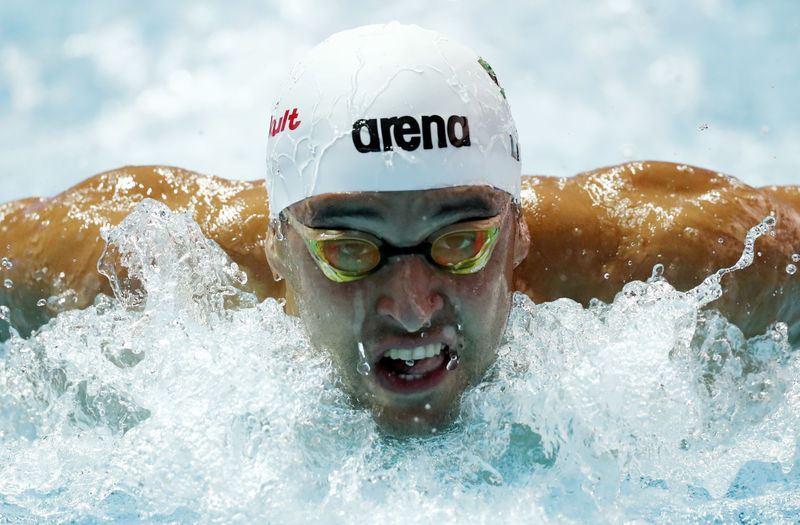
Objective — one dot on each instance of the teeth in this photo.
(413, 354)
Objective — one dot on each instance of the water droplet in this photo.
(791, 269)
(606, 275)
(453, 363)
(362, 367)
(795, 257)
(658, 271)
(8, 283)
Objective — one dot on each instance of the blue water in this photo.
(192, 402)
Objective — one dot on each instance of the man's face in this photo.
(406, 305)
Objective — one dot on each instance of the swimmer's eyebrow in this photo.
(473, 207)
(334, 216)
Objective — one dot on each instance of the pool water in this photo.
(191, 402)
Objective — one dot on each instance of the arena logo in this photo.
(407, 133)
(276, 126)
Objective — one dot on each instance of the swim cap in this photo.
(389, 108)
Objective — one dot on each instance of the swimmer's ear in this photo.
(522, 242)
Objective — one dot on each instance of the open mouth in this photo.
(412, 370)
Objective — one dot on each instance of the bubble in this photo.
(409, 362)
(721, 240)
(6, 263)
(791, 269)
(606, 275)
(41, 302)
(795, 257)
(427, 406)
(4, 312)
(8, 283)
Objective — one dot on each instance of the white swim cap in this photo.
(389, 108)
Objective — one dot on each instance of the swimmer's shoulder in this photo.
(232, 212)
(593, 232)
(46, 238)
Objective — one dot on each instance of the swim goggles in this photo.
(349, 255)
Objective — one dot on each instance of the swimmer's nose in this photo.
(408, 296)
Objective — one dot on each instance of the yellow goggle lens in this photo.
(465, 251)
(350, 255)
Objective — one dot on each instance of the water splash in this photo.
(166, 404)
(710, 289)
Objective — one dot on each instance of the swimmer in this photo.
(396, 224)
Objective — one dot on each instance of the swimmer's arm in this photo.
(53, 244)
(594, 232)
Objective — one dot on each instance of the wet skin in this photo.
(408, 302)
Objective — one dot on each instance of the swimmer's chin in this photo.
(410, 422)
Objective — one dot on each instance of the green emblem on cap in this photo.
(492, 75)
